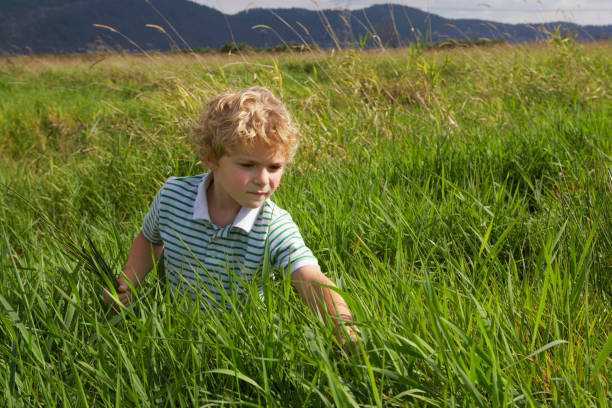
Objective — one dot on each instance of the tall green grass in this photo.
(461, 199)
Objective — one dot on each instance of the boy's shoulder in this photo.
(180, 189)
(185, 184)
(274, 213)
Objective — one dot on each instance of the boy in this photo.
(215, 228)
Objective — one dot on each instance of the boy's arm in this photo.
(314, 289)
(138, 265)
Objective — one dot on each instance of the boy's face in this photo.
(247, 177)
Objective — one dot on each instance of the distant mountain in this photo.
(67, 26)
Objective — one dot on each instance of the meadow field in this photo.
(461, 199)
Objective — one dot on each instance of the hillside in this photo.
(67, 26)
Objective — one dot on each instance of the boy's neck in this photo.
(221, 212)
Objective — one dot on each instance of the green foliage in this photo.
(462, 199)
(233, 47)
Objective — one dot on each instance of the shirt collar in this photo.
(245, 219)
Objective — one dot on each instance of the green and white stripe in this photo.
(201, 256)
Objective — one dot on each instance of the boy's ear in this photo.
(208, 159)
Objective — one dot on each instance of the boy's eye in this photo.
(247, 165)
(275, 167)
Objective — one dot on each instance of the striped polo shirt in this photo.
(201, 256)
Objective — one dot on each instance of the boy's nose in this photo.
(260, 177)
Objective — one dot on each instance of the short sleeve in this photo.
(150, 223)
(286, 246)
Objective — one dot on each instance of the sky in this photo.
(596, 12)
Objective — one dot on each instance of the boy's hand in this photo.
(349, 340)
(123, 291)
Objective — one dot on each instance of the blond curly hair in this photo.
(237, 120)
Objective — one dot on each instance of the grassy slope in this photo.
(461, 199)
